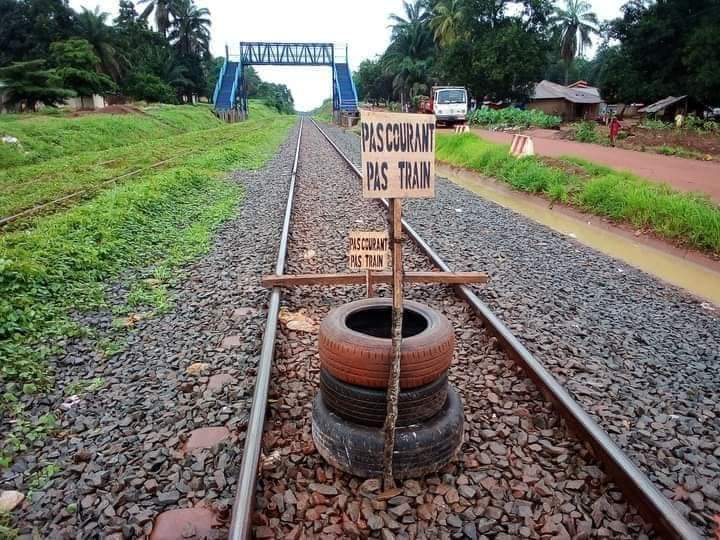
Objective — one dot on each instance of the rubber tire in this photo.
(368, 406)
(363, 360)
(419, 449)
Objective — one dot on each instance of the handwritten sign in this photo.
(368, 250)
(398, 155)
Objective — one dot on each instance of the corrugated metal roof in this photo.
(662, 104)
(551, 90)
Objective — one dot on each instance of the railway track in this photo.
(130, 460)
(10, 220)
(636, 487)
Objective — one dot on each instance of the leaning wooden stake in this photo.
(393, 389)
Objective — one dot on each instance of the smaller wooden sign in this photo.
(398, 155)
(368, 250)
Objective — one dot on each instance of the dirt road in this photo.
(682, 174)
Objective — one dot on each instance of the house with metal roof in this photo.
(579, 101)
(667, 108)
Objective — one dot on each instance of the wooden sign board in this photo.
(368, 250)
(398, 155)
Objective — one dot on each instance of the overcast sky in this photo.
(362, 25)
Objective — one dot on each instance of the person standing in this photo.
(615, 127)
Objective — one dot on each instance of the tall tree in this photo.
(92, 27)
(27, 83)
(575, 24)
(190, 31)
(76, 68)
(666, 48)
(415, 15)
(448, 21)
(409, 55)
(162, 9)
(28, 27)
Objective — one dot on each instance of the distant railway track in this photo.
(41, 208)
(637, 488)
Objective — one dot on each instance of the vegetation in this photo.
(324, 112)
(77, 68)
(153, 223)
(677, 151)
(44, 137)
(485, 45)
(691, 123)
(663, 49)
(91, 54)
(688, 218)
(499, 49)
(587, 132)
(575, 23)
(512, 117)
(27, 83)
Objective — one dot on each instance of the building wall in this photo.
(558, 107)
(569, 112)
(86, 103)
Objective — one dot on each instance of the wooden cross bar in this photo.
(447, 278)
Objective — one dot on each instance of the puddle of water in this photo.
(697, 279)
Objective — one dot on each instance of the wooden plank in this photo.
(448, 278)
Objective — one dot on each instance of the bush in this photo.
(587, 132)
(512, 117)
(649, 123)
(151, 88)
(701, 125)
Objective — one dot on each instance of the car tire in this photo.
(419, 450)
(355, 344)
(368, 406)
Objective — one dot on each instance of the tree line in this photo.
(499, 49)
(49, 52)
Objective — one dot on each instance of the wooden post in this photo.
(393, 389)
(369, 284)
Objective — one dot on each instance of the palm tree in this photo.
(190, 31)
(415, 15)
(93, 28)
(162, 9)
(575, 23)
(447, 21)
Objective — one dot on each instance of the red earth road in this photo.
(682, 174)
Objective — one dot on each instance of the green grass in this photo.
(324, 113)
(42, 137)
(676, 151)
(26, 186)
(624, 197)
(146, 227)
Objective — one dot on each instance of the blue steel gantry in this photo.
(231, 92)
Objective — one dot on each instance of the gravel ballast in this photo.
(519, 472)
(120, 448)
(641, 356)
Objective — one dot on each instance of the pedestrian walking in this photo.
(615, 127)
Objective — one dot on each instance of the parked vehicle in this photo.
(449, 104)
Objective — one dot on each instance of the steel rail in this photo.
(638, 488)
(241, 524)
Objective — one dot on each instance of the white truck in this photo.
(449, 104)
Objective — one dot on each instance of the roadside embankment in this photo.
(680, 217)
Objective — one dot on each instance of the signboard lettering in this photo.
(368, 250)
(398, 155)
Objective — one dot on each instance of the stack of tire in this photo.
(355, 348)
